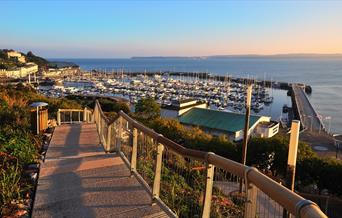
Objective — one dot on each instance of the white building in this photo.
(16, 55)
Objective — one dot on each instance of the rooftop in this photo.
(180, 107)
(220, 120)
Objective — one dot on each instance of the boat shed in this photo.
(220, 122)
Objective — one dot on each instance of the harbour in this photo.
(323, 74)
(220, 93)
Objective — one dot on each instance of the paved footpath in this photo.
(78, 179)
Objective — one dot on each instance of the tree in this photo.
(147, 109)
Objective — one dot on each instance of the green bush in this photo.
(19, 145)
(10, 187)
(112, 106)
(147, 109)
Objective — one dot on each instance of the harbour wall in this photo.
(209, 76)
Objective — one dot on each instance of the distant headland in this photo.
(290, 55)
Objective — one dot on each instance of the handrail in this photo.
(86, 112)
(68, 110)
(191, 153)
(293, 202)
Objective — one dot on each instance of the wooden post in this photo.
(59, 117)
(246, 129)
(99, 124)
(85, 115)
(292, 156)
(208, 190)
(70, 116)
(134, 150)
(37, 122)
(292, 159)
(157, 175)
(251, 199)
(109, 135)
(119, 135)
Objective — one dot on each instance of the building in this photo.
(60, 72)
(19, 72)
(16, 55)
(177, 108)
(267, 129)
(231, 124)
(52, 72)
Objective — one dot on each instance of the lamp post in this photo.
(311, 121)
(328, 118)
(37, 105)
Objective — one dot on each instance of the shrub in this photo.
(9, 183)
(147, 109)
(19, 145)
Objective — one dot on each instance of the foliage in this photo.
(222, 206)
(10, 187)
(18, 146)
(107, 104)
(22, 96)
(323, 173)
(110, 105)
(41, 62)
(182, 182)
(7, 63)
(268, 155)
(147, 109)
(193, 138)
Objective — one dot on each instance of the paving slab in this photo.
(78, 179)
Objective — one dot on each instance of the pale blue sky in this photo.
(76, 28)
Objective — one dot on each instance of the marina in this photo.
(224, 94)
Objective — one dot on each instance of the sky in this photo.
(120, 29)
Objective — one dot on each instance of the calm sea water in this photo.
(323, 74)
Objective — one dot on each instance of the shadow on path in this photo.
(78, 179)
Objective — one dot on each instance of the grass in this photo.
(10, 187)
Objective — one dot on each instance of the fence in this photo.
(74, 115)
(195, 183)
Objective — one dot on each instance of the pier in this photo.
(307, 114)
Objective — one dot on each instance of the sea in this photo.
(323, 74)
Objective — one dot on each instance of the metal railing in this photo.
(209, 182)
(74, 115)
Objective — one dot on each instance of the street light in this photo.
(37, 105)
(328, 118)
(311, 120)
(321, 118)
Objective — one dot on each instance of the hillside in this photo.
(41, 62)
(10, 63)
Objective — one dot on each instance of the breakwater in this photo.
(203, 76)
